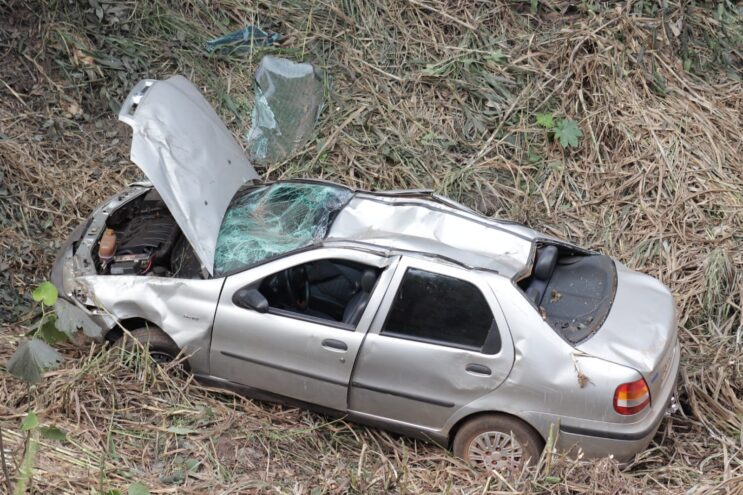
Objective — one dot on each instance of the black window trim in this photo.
(493, 341)
(311, 319)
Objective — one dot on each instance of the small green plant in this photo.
(32, 357)
(138, 489)
(564, 131)
(546, 120)
(28, 363)
(497, 56)
(568, 133)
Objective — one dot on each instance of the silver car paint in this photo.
(536, 376)
(184, 309)
(652, 313)
(190, 156)
(422, 225)
(282, 352)
(433, 383)
(542, 387)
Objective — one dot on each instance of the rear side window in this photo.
(436, 308)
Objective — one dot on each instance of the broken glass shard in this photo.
(288, 102)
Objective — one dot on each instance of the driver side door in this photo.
(302, 357)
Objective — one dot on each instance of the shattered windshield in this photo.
(275, 219)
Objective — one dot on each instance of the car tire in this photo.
(497, 442)
(162, 349)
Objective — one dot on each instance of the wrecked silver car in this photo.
(403, 310)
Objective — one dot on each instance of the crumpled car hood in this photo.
(188, 154)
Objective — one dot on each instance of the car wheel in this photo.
(499, 443)
(161, 348)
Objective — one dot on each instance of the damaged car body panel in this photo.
(422, 225)
(188, 153)
(399, 309)
(185, 308)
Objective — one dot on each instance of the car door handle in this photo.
(478, 369)
(334, 344)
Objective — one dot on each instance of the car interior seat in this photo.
(357, 303)
(544, 267)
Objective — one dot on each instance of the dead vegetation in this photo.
(432, 94)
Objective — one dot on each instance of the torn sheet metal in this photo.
(288, 102)
(422, 226)
(188, 153)
(242, 40)
(271, 220)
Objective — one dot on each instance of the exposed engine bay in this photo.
(143, 238)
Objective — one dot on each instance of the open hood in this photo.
(188, 154)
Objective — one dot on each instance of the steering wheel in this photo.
(297, 286)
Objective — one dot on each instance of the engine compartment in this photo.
(143, 238)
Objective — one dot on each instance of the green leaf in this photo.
(112, 491)
(138, 489)
(30, 422)
(551, 479)
(533, 156)
(567, 133)
(546, 120)
(48, 331)
(70, 318)
(497, 56)
(46, 293)
(32, 357)
(191, 464)
(180, 430)
(53, 433)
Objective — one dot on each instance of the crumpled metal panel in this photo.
(184, 309)
(426, 227)
(190, 156)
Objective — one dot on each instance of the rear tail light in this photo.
(631, 398)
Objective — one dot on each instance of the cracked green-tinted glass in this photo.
(271, 220)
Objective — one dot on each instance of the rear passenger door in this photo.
(438, 342)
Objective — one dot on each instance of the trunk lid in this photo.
(188, 154)
(640, 329)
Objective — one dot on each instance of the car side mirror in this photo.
(250, 298)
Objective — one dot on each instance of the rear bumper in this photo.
(623, 441)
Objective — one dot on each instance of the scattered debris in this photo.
(583, 379)
(555, 296)
(243, 40)
(288, 102)
(543, 313)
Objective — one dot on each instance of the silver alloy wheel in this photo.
(496, 450)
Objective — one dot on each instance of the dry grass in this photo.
(423, 93)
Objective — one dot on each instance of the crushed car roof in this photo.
(421, 222)
(267, 220)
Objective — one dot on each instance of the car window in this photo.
(440, 309)
(267, 221)
(334, 290)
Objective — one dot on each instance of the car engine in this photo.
(143, 238)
